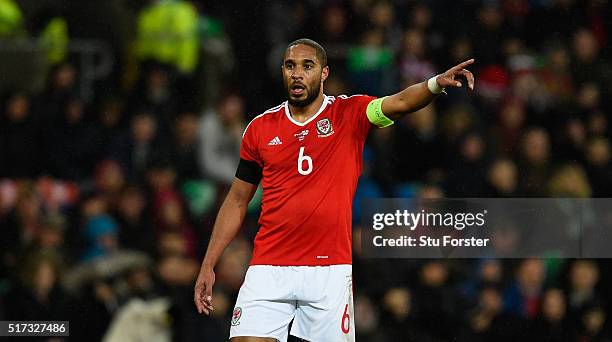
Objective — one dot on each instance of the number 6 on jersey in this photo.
(301, 159)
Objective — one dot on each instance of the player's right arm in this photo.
(226, 227)
(231, 215)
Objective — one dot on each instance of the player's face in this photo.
(303, 75)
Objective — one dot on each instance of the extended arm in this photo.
(226, 227)
(419, 95)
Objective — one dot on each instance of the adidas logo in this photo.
(275, 141)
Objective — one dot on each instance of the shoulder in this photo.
(352, 97)
(349, 99)
(269, 115)
(353, 101)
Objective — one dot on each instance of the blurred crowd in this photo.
(107, 203)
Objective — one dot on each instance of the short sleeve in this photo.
(357, 106)
(249, 146)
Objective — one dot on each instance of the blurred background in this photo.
(120, 125)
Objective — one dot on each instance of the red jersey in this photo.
(310, 173)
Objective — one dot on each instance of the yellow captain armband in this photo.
(376, 115)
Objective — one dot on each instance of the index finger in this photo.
(462, 65)
(198, 303)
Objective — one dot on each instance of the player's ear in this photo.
(324, 73)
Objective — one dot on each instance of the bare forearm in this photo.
(226, 227)
(408, 100)
(227, 224)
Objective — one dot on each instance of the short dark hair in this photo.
(321, 54)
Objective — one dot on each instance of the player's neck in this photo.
(301, 114)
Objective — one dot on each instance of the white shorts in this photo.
(319, 300)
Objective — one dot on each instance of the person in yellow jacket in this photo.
(11, 19)
(167, 33)
(54, 40)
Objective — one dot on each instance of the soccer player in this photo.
(307, 154)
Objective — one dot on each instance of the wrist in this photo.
(434, 87)
(208, 265)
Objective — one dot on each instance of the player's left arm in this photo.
(419, 95)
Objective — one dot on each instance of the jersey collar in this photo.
(323, 105)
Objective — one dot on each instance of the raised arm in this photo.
(226, 227)
(420, 95)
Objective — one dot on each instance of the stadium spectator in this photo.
(413, 60)
(130, 212)
(400, 323)
(68, 140)
(523, 297)
(38, 296)
(101, 236)
(435, 300)
(582, 294)
(534, 162)
(552, 324)
(11, 17)
(20, 147)
(414, 136)
(167, 33)
(139, 147)
(220, 133)
(186, 147)
(466, 173)
(488, 321)
(502, 179)
(598, 167)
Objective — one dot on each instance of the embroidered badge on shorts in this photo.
(236, 316)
